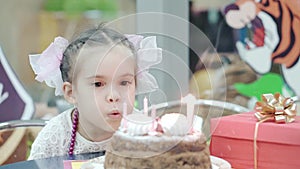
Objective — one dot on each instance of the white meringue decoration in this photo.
(137, 124)
(197, 124)
(174, 124)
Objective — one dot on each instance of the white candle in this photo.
(153, 116)
(146, 106)
(190, 101)
(124, 115)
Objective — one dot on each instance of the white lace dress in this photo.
(54, 139)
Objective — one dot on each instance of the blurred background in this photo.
(29, 26)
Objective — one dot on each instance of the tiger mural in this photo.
(275, 27)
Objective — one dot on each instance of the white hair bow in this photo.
(46, 65)
(148, 54)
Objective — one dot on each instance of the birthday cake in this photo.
(169, 142)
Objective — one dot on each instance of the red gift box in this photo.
(278, 145)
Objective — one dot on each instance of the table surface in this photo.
(50, 163)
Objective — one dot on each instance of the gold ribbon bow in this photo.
(273, 107)
(276, 107)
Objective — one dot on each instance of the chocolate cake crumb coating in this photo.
(157, 152)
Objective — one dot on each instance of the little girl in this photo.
(99, 72)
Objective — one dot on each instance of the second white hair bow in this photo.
(148, 54)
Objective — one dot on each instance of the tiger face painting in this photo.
(275, 27)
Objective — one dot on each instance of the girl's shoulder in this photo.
(52, 138)
(60, 122)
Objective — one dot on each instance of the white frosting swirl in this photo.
(197, 124)
(175, 124)
(137, 124)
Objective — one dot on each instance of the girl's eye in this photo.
(99, 84)
(125, 83)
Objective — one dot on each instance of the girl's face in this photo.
(104, 80)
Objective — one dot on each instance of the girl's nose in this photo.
(112, 97)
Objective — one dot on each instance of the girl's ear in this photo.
(68, 92)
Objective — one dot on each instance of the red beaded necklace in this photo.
(74, 129)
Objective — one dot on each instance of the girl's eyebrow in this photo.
(103, 77)
(96, 76)
(127, 74)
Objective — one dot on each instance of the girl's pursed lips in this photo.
(115, 114)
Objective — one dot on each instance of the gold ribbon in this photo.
(276, 107)
(273, 107)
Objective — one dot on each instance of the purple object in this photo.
(15, 102)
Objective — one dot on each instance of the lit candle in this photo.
(146, 106)
(124, 115)
(190, 101)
